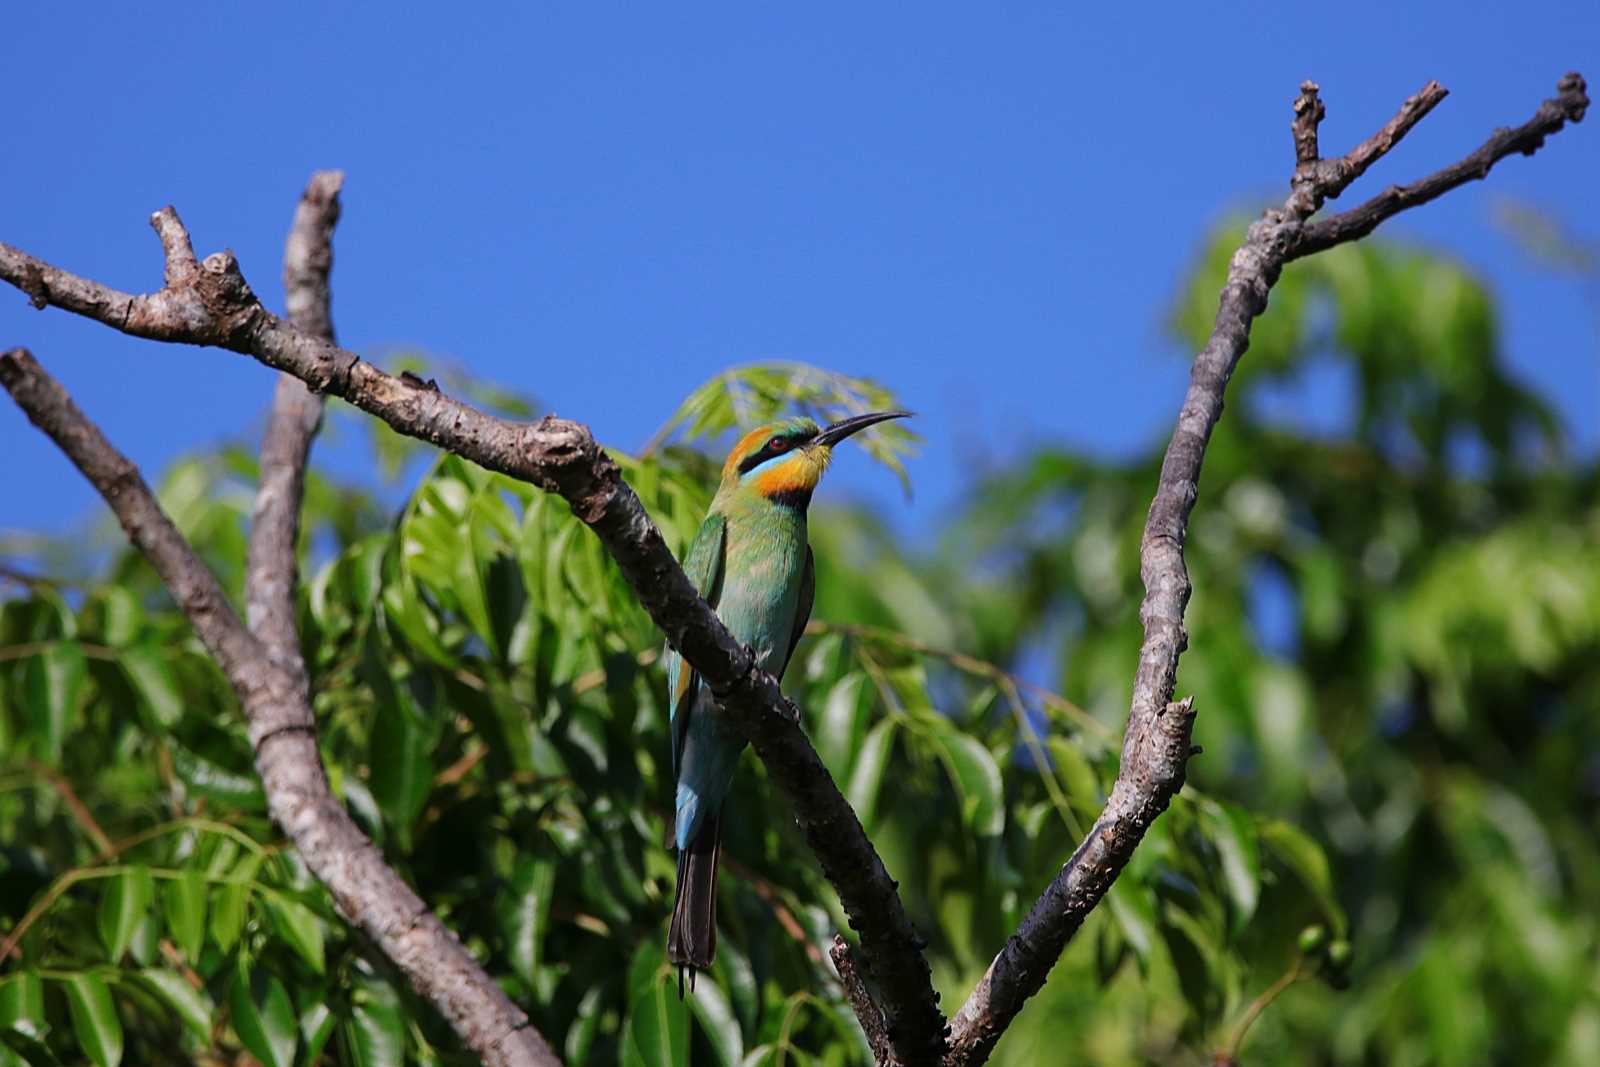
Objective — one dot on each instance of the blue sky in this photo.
(986, 208)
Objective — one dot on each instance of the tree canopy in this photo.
(1384, 855)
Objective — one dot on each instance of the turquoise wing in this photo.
(704, 566)
(802, 611)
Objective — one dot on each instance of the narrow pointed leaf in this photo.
(525, 914)
(715, 1015)
(375, 1033)
(22, 1004)
(151, 676)
(94, 1019)
(51, 683)
(298, 925)
(867, 776)
(263, 1017)
(184, 901)
(192, 1006)
(124, 902)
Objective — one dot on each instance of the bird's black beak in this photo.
(855, 424)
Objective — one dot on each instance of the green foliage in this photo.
(1387, 800)
(1395, 651)
(742, 397)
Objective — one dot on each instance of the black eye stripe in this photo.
(775, 446)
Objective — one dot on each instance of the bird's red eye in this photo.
(777, 444)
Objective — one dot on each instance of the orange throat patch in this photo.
(798, 473)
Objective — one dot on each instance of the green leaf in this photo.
(1076, 773)
(715, 1014)
(1134, 908)
(525, 914)
(401, 757)
(375, 1033)
(867, 776)
(262, 1016)
(842, 727)
(1233, 832)
(52, 681)
(317, 1024)
(25, 1049)
(115, 614)
(215, 782)
(22, 1002)
(975, 775)
(184, 900)
(580, 1037)
(1295, 850)
(404, 733)
(94, 1018)
(227, 914)
(150, 674)
(658, 1022)
(298, 925)
(124, 902)
(741, 397)
(190, 1005)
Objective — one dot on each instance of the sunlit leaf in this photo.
(375, 1033)
(184, 901)
(94, 1018)
(124, 902)
(298, 925)
(1295, 850)
(524, 910)
(262, 1016)
(192, 1006)
(657, 1032)
(867, 777)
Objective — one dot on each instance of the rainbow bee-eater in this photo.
(753, 565)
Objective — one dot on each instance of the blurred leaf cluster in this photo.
(1395, 629)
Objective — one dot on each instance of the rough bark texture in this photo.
(1156, 746)
(366, 891)
(888, 981)
(211, 304)
(272, 570)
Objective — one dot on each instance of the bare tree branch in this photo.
(271, 570)
(1569, 105)
(218, 308)
(210, 303)
(862, 1002)
(1156, 746)
(282, 732)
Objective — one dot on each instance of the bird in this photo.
(752, 563)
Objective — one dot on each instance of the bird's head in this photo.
(783, 461)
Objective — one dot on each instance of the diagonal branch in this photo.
(282, 731)
(1568, 105)
(1156, 746)
(216, 307)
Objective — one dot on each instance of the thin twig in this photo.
(1230, 1054)
(80, 811)
(772, 897)
(33, 648)
(981, 668)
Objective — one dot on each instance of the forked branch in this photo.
(211, 304)
(1156, 746)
